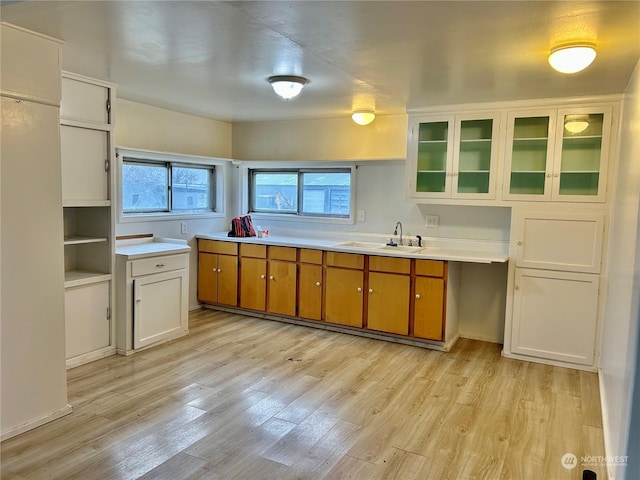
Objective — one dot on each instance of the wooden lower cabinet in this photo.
(310, 291)
(383, 294)
(343, 296)
(282, 287)
(388, 302)
(429, 301)
(253, 275)
(218, 279)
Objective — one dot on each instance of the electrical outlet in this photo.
(361, 215)
(432, 221)
(183, 227)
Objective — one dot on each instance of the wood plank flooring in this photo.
(244, 398)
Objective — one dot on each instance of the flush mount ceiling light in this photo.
(576, 126)
(363, 117)
(572, 58)
(287, 86)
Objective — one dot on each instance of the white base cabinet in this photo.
(159, 307)
(554, 315)
(152, 294)
(87, 322)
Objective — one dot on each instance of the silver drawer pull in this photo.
(317, 284)
(160, 265)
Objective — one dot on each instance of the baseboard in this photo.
(605, 424)
(35, 423)
(90, 357)
(555, 363)
(482, 338)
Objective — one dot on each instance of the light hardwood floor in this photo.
(243, 398)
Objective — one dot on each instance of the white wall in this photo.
(322, 139)
(618, 359)
(150, 128)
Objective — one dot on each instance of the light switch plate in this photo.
(361, 215)
(183, 227)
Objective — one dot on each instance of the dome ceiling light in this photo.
(287, 86)
(572, 58)
(363, 117)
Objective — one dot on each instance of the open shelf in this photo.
(79, 239)
(76, 278)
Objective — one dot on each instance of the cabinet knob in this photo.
(359, 289)
(556, 175)
(219, 270)
(270, 277)
(519, 242)
(261, 276)
(317, 284)
(548, 175)
(517, 287)
(371, 290)
(160, 265)
(417, 295)
(138, 300)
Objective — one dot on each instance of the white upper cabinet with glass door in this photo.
(557, 155)
(582, 144)
(453, 156)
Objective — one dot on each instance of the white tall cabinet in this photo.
(555, 287)
(33, 388)
(87, 151)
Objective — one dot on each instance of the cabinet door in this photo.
(282, 287)
(582, 147)
(430, 157)
(160, 307)
(529, 155)
(253, 273)
(554, 315)
(84, 101)
(227, 280)
(343, 296)
(428, 321)
(85, 175)
(207, 277)
(310, 291)
(87, 323)
(30, 65)
(566, 242)
(388, 303)
(475, 157)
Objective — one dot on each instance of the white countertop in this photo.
(151, 247)
(456, 250)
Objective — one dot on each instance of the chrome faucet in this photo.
(395, 232)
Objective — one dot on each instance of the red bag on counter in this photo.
(242, 227)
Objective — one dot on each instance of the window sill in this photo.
(257, 218)
(167, 216)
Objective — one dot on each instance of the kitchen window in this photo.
(167, 187)
(318, 192)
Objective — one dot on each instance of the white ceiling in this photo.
(213, 58)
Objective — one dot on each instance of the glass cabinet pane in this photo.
(529, 156)
(581, 154)
(432, 157)
(474, 161)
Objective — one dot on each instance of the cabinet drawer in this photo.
(308, 255)
(390, 264)
(165, 263)
(250, 250)
(282, 253)
(215, 246)
(345, 260)
(430, 268)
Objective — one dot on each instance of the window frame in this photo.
(300, 169)
(217, 167)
